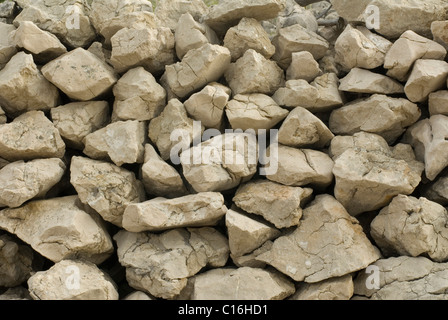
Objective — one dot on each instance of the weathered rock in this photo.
(248, 34)
(76, 120)
(203, 209)
(297, 38)
(321, 95)
(364, 81)
(80, 75)
(301, 167)
(198, 67)
(367, 178)
(24, 88)
(406, 50)
(169, 12)
(437, 191)
(30, 136)
(7, 48)
(328, 243)
(279, 204)
(303, 66)
(438, 30)
(227, 14)
(160, 264)
(360, 48)
(42, 44)
(412, 227)
(340, 288)
(208, 106)
(59, 228)
(174, 118)
(72, 280)
(253, 73)
(151, 48)
(220, 163)
(438, 103)
(7, 9)
(404, 278)
(98, 49)
(295, 13)
(302, 129)
(250, 260)
(427, 76)
(191, 34)
(105, 187)
(254, 111)
(428, 139)
(68, 20)
(21, 181)
(379, 114)
(16, 261)
(121, 141)
(159, 178)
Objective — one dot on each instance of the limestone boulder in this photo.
(303, 66)
(170, 12)
(339, 288)
(364, 81)
(438, 102)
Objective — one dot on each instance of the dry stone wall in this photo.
(254, 149)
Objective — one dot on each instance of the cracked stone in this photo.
(339, 288)
(303, 66)
(170, 12)
(364, 81)
(7, 47)
(438, 103)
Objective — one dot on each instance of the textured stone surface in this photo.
(364, 81)
(7, 47)
(303, 66)
(169, 12)
(339, 288)
(438, 30)
(438, 102)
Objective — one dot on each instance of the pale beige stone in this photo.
(169, 12)
(340, 288)
(303, 66)
(439, 32)
(72, 279)
(364, 81)
(328, 243)
(16, 261)
(7, 48)
(437, 191)
(438, 102)
(59, 228)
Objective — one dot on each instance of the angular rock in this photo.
(227, 14)
(7, 9)
(328, 243)
(250, 260)
(253, 73)
(301, 167)
(203, 209)
(105, 187)
(76, 120)
(59, 228)
(438, 30)
(359, 48)
(160, 264)
(191, 34)
(169, 12)
(303, 66)
(197, 68)
(162, 128)
(406, 50)
(321, 95)
(254, 111)
(252, 284)
(151, 48)
(404, 278)
(159, 178)
(340, 288)
(30, 136)
(302, 129)
(364, 81)
(296, 38)
(121, 141)
(279, 204)
(368, 178)
(438, 103)
(42, 44)
(72, 280)
(220, 163)
(208, 106)
(379, 114)
(411, 227)
(427, 76)
(21, 181)
(24, 88)
(16, 261)
(7, 48)
(295, 13)
(66, 19)
(248, 34)
(437, 191)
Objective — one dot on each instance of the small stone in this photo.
(303, 66)
(328, 243)
(438, 30)
(16, 262)
(7, 9)
(195, 210)
(105, 187)
(279, 204)
(76, 120)
(169, 12)
(59, 229)
(72, 280)
(30, 136)
(253, 73)
(160, 264)
(438, 103)
(295, 13)
(7, 48)
(302, 129)
(340, 288)
(364, 81)
(437, 191)
(80, 75)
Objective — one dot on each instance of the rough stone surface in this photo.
(438, 103)
(340, 288)
(364, 81)
(438, 30)
(170, 12)
(303, 66)
(7, 47)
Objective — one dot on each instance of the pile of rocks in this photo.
(246, 150)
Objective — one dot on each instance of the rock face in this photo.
(340, 288)
(437, 102)
(303, 66)
(364, 81)
(7, 47)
